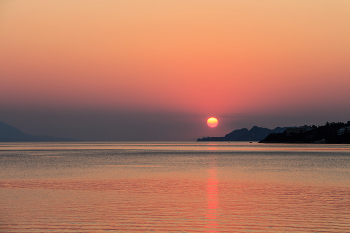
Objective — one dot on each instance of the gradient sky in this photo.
(156, 70)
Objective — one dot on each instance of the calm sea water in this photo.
(174, 187)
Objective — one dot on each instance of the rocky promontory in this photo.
(254, 134)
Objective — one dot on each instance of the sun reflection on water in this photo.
(212, 198)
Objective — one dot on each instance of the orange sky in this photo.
(215, 58)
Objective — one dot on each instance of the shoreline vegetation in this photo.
(330, 133)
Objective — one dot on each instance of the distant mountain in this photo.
(9, 133)
(254, 134)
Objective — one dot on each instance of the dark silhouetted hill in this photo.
(9, 133)
(254, 134)
(333, 133)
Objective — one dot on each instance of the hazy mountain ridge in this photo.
(10, 133)
(254, 134)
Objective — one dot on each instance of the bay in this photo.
(174, 187)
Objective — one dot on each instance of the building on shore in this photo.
(343, 130)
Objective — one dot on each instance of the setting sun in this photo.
(212, 122)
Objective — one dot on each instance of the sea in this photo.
(174, 187)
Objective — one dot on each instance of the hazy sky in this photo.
(157, 69)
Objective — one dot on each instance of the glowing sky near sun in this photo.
(218, 58)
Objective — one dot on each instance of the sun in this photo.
(212, 122)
